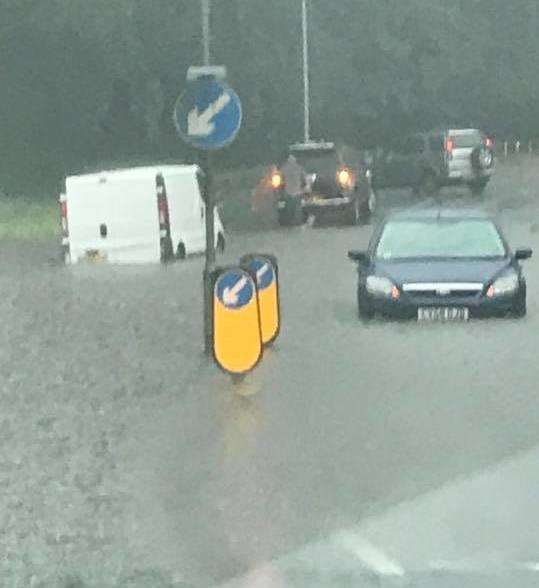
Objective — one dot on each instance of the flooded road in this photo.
(127, 457)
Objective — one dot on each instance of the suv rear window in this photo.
(313, 161)
(466, 140)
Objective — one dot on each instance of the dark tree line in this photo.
(86, 83)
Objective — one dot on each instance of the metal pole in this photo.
(306, 89)
(208, 200)
(210, 253)
(206, 9)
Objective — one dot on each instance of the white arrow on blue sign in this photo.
(208, 114)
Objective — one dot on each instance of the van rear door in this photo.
(113, 216)
(187, 209)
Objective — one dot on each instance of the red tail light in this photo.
(449, 145)
(162, 206)
(489, 143)
(63, 214)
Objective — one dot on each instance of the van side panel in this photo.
(123, 208)
(186, 208)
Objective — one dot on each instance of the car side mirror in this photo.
(524, 253)
(358, 256)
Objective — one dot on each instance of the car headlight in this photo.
(506, 284)
(382, 287)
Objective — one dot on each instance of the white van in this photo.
(135, 215)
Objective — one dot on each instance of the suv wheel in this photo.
(370, 206)
(478, 186)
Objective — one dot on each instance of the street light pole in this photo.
(206, 31)
(306, 89)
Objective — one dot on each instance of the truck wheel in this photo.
(353, 213)
(291, 214)
(283, 216)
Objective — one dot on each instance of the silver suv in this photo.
(428, 161)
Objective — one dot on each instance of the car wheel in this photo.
(364, 308)
(520, 306)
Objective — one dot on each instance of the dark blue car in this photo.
(437, 264)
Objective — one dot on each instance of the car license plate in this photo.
(95, 256)
(444, 313)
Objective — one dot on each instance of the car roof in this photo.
(439, 213)
(133, 173)
(311, 147)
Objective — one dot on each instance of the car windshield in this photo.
(463, 238)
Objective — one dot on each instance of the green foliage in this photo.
(88, 81)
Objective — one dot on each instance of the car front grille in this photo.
(441, 290)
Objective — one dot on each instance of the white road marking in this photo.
(372, 557)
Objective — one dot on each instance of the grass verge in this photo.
(27, 219)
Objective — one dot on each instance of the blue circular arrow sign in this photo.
(208, 114)
(235, 289)
(264, 272)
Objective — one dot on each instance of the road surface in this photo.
(128, 460)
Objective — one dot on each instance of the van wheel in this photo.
(220, 243)
(180, 251)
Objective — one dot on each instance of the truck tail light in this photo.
(345, 178)
(276, 180)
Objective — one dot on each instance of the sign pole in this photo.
(210, 251)
(208, 116)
